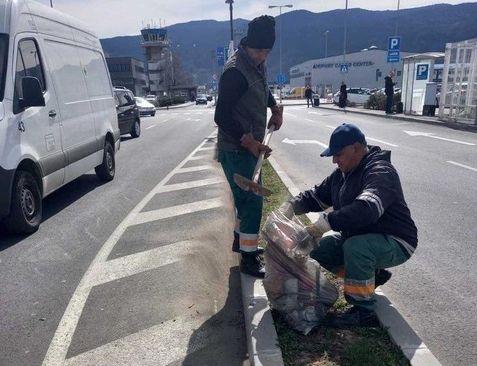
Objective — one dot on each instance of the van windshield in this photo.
(3, 62)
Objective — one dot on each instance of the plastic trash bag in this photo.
(295, 283)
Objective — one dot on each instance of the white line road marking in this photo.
(462, 165)
(61, 341)
(331, 127)
(188, 185)
(133, 264)
(165, 213)
(431, 135)
(207, 148)
(290, 114)
(294, 142)
(200, 157)
(310, 120)
(148, 128)
(381, 141)
(147, 347)
(196, 169)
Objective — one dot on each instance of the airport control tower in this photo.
(159, 59)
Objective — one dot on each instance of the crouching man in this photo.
(371, 225)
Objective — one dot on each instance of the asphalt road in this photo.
(120, 274)
(436, 290)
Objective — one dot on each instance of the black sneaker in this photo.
(357, 316)
(381, 276)
(252, 264)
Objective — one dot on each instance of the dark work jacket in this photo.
(388, 86)
(369, 199)
(308, 93)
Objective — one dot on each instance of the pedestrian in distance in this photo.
(389, 91)
(241, 115)
(308, 96)
(367, 222)
(343, 99)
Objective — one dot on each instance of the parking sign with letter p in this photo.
(422, 72)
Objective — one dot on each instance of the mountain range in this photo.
(422, 29)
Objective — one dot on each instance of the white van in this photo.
(57, 112)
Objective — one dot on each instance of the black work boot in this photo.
(252, 264)
(381, 276)
(357, 316)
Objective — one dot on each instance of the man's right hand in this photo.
(254, 146)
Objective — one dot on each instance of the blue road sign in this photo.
(344, 68)
(220, 55)
(394, 49)
(281, 79)
(422, 72)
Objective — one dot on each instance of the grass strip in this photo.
(326, 346)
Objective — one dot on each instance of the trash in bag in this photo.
(295, 284)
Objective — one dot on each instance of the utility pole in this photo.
(281, 26)
(345, 32)
(51, 3)
(326, 42)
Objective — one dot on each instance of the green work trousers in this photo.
(356, 259)
(247, 204)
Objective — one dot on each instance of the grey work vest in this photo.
(251, 109)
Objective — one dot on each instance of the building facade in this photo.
(128, 72)
(365, 69)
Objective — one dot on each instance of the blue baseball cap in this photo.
(344, 135)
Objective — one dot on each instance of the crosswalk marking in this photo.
(207, 148)
(462, 165)
(200, 157)
(164, 213)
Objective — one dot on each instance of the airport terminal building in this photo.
(366, 69)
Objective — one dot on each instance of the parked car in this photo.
(355, 95)
(58, 118)
(201, 99)
(151, 98)
(128, 113)
(209, 98)
(145, 108)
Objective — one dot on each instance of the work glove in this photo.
(277, 117)
(287, 209)
(255, 147)
(320, 227)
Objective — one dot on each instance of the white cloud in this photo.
(124, 17)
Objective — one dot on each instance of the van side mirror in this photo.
(32, 93)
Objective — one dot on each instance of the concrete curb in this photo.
(456, 126)
(175, 106)
(399, 330)
(262, 339)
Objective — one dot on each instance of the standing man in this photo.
(308, 96)
(389, 91)
(371, 224)
(343, 100)
(241, 115)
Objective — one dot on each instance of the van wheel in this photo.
(26, 210)
(107, 169)
(136, 129)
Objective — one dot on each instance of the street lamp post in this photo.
(397, 18)
(51, 3)
(326, 42)
(281, 26)
(345, 32)
(231, 9)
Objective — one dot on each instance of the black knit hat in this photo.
(261, 33)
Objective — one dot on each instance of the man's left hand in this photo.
(320, 227)
(277, 117)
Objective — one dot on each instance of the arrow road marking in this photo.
(462, 165)
(431, 135)
(294, 142)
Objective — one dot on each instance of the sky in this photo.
(110, 18)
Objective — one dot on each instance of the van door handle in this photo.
(52, 113)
